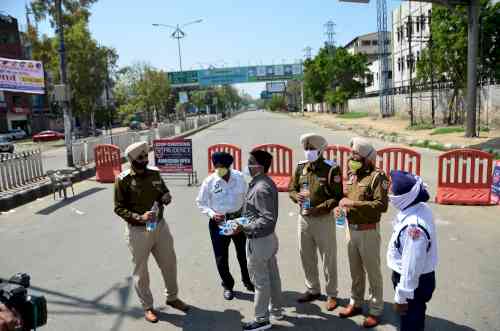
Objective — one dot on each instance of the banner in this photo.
(174, 156)
(495, 187)
(21, 76)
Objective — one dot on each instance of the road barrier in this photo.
(108, 163)
(234, 150)
(465, 177)
(281, 170)
(20, 169)
(398, 158)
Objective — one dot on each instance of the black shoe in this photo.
(228, 294)
(256, 326)
(250, 287)
(308, 297)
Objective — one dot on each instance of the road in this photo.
(77, 255)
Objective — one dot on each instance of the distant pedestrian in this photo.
(261, 210)
(365, 202)
(412, 252)
(221, 198)
(318, 181)
(137, 190)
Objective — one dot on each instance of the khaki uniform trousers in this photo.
(265, 275)
(363, 249)
(161, 244)
(319, 234)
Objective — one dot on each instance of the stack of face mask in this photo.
(228, 227)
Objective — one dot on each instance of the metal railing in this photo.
(20, 169)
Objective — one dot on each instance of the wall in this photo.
(489, 96)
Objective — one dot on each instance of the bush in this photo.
(446, 130)
(421, 126)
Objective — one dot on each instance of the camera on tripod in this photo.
(14, 295)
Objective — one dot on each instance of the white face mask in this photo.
(246, 171)
(311, 155)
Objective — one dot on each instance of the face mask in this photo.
(311, 155)
(221, 172)
(139, 165)
(247, 172)
(355, 165)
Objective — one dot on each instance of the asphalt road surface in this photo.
(75, 251)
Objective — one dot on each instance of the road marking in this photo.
(79, 212)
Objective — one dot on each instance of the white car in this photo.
(17, 134)
(6, 146)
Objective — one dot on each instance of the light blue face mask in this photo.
(246, 171)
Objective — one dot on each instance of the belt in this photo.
(363, 227)
(258, 235)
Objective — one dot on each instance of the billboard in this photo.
(21, 76)
(174, 155)
(275, 87)
(235, 75)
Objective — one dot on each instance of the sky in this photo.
(232, 33)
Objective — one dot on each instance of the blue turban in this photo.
(407, 186)
(222, 158)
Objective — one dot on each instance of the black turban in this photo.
(263, 158)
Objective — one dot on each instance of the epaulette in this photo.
(153, 168)
(303, 162)
(331, 163)
(124, 174)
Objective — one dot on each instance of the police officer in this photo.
(316, 225)
(365, 202)
(136, 190)
(412, 252)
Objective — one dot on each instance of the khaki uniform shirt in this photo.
(368, 190)
(135, 194)
(325, 183)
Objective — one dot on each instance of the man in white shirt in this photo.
(221, 197)
(412, 252)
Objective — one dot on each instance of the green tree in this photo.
(277, 103)
(199, 99)
(447, 58)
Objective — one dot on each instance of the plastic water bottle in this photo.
(305, 191)
(340, 220)
(151, 224)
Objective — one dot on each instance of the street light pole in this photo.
(65, 102)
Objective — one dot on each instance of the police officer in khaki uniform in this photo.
(366, 200)
(316, 228)
(136, 190)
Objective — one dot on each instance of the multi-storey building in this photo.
(410, 35)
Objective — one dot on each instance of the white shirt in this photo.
(218, 196)
(417, 252)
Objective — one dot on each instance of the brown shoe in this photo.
(308, 297)
(150, 316)
(350, 311)
(178, 304)
(331, 303)
(370, 321)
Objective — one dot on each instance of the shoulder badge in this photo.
(124, 174)
(385, 184)
(337, 179)
(331, 163)
(303, 162)
(414, 231)
(153, 168)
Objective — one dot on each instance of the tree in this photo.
(199, 99)
(334, 75)
(277, 103)
(447, 58)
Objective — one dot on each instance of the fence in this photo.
(19, 169)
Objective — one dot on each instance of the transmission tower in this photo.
(386, 104)
(330, 34)
(308, 52)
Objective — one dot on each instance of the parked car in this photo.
(6, 146)
(47, 136)
(17, 134)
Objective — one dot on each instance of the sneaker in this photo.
(228, 294)
(250, 287)
(256, 326)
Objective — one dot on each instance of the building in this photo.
(366, 44)
(410, 19)
(15, 108)
(372, 80)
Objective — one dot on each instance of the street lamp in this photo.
(178, 34)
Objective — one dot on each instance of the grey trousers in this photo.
(265, 275)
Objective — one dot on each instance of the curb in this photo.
(36, 191)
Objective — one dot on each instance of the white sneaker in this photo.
(277, 316)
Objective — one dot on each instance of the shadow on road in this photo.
(63, 203)
(317, 319)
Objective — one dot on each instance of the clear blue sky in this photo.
(233, 32)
